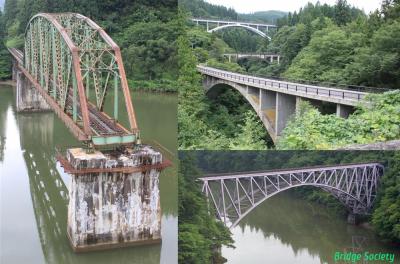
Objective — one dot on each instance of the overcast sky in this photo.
(250, 6)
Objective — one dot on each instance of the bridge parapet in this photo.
(329, 94)
(234, 195)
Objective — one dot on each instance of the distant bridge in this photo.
(235, 195)
(221, 24)
(263, 56)
(275, 101)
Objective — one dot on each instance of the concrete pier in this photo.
(285, 109)
(352, 219)
(344, 110)
(114, 198)
(28, 98)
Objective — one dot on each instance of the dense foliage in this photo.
(220, 122)
(202, 9)
(146, 31)
(316, 45)
(5, 61)
(376, 120)
(270, 16)
(200, 234)
(386, 217)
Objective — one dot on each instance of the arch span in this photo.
(252, 29)
(266, 117)
(74, 61)
(235, 195)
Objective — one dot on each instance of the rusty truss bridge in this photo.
(72, 63)
(234, 195)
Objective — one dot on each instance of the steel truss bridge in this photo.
(234, 195)
(73, 64)
(222, 24)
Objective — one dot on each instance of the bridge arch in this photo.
(255, 30)
(215, 84)
(331, 190)
(74, 60)
(235, 195)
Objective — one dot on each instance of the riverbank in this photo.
(8, 82)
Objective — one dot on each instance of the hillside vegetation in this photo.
(320, 43)
(146, 31)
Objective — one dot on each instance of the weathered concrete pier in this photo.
(114, 198)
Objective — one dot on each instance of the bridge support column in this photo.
(343, 110)
(14, 70)
(268, 106)
(285, 108)
(28, 98)
(352, 219)
(114, 209)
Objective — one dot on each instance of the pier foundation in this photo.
(114, 198)
(28, 98)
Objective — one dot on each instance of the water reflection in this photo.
(286, 229)
(39, 187)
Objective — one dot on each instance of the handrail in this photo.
(345, 94)
(212, 20)
(358, 88)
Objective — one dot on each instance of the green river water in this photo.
(34, 188)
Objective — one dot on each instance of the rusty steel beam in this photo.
(67, 54)
(71, 170)
(74, 128)
(76, 63)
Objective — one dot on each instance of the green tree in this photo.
(342, 13)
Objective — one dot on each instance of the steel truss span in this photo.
(70, 59)
(235, 195)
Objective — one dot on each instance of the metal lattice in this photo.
(236, 195)
(73, 60)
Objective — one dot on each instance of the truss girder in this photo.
(68, 55)
(234, 196)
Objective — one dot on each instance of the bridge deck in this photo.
(231, 175)
(233, 22)
(105, 129)
(329, 94)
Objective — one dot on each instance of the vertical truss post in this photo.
(223, 199)
(116, 97)
(74, 98)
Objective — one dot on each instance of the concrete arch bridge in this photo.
(234, 195)
(213, 25)
(276, 101)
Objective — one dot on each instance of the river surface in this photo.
(34, 188)
(285, 229)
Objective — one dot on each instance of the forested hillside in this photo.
(271, 16)
(202, 9)
(339, 45)
(145, 30)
